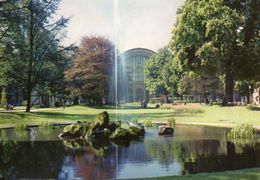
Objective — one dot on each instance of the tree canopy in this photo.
(30, 42)
(91, 73)
(213, 36)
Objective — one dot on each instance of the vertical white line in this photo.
(115, 19)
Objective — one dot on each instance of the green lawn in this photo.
(222, 116)
(246, 174)
(215, 115)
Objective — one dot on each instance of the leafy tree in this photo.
(203, 86)
(153, 71)
(162, 73)
(33, 42)
(91, 73)
(207, 39)
(172, 74)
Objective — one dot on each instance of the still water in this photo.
(38, 153)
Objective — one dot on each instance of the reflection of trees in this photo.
(92, 159)
(6, 159)
(94, 166)
(166, 151)
(30, 134)
(26, 160)
(216, 161)
(240, 143)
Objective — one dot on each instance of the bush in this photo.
(148, 123)
(188, 111)
(244, 131)
(171, 122)
(57, 104)
(253, 108)
(21, 126)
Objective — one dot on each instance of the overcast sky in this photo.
(128, 23)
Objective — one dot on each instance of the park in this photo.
(106, 90)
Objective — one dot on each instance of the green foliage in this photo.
(171, 122)
(3, 98)
(34, 57)
(161, 75)
(152, 71)
(218, 38)
(45, 125)
(244, 131)
(194, 84)
(188, 111)
(21, 126)
(147, 123)
(91, 73)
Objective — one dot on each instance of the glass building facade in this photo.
(131, 74)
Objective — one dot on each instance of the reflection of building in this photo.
(131, 74)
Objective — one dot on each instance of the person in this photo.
(10, 107)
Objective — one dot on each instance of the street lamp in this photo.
(249, 87)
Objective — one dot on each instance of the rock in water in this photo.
(137, 132)
(103, 119)
(72, 131)
(165, 130)
(122, 134)
(96, 128)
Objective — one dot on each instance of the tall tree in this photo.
(162, 73)
(205, 39)
(91, 71)
(198, 85)
(33, 42)
(153, 71)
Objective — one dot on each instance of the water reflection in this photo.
(38, 153)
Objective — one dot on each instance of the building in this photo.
(131, 86)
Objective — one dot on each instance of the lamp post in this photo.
(249, 88)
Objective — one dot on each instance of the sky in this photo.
(127, 23)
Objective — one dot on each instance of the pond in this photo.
(38, 153)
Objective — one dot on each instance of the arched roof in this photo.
(136, 51)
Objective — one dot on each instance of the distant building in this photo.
(131, 74)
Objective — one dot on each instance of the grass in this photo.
(189, 114)
(237, 174)
(222, 116)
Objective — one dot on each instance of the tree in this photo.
(204, 86)
(3, 98)
(172, 74)
(33, 42)
(91, 73)
(206, 40)
(162, 73)
(153, 71)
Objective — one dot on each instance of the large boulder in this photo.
(72, 131)
(122, 134)
(101, 127)
(92, 130)
(73, 144)
(137, 132)
(112, 126)
(165, 130)
(103, 119)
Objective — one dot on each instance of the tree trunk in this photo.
(166, 98)
(229, 82)
(29, 80)
(28, 98)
